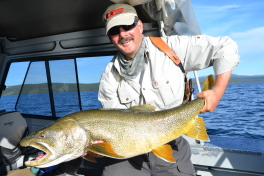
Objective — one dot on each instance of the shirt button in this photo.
(198, 37)
(144, 89)
(167, 82)
(127, 99)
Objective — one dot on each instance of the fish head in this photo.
(61, 141)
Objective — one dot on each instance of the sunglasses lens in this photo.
(128, 27)
(115, 30)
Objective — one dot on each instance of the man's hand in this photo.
(212, 97)
(92, 153)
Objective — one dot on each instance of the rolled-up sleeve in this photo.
(226, 58)
(202, 51)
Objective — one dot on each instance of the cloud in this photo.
(250, 43)
(257, 32)
(225, 8)
(217, 8)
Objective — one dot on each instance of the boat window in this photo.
(34, 97)
(64, 86)
(90, 70)
(13, 85)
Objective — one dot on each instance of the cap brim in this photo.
(124, 19)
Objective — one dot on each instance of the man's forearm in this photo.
(221, 83)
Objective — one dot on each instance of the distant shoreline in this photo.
(71, 87)
(236, 80)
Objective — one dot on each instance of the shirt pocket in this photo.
(163, 85)
(127, 93)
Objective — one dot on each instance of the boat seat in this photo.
(13, 127)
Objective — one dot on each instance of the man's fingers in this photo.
(207, 108)
(97, 141)
(94, 154)
(84, 154)
(201, 94)
(210, 100)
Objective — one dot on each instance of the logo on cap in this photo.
(114, 12)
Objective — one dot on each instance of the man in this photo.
(142, 74)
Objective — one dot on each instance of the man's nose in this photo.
(122, 32)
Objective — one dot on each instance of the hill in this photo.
(43, 88)
(237, 78)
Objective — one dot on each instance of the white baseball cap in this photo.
(119, 14)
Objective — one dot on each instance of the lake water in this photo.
(240, 113)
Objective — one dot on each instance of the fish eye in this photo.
(42, 135)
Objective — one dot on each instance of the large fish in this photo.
(124, 133)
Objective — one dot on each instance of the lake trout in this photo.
(124, 133)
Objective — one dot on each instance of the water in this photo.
(240, 113)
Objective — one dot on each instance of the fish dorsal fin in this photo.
(90, 158)
(145, 107)
(164, 152)
(104, 149)
(198, 130)
(208, 83)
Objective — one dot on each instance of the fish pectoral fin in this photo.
(104, 149)
(198, 131)
(164, 152)
(90, 158)
(208, 83)
(144, 107)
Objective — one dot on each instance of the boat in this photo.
(44, 44)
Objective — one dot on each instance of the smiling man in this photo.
(142, 74)
(126, 32)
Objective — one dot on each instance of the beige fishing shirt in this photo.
(161, 83)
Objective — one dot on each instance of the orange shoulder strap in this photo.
(159, 43)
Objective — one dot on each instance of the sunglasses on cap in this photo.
(115, 30)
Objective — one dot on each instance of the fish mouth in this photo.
(43, 154)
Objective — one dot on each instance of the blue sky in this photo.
(243, 21)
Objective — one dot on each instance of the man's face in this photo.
(128, 42)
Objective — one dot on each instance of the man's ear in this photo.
(140, 25)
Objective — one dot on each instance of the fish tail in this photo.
(208, 83)
(198, 130)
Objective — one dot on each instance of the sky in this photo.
(243, 21)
